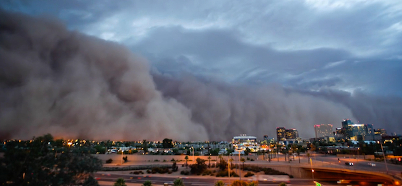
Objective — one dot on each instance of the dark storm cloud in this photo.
(71, 85)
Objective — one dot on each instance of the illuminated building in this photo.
(280, 133)
(291, 134)
(360, 131)
(380, 132)
(323, 130)
(345, 125)
(243, 141)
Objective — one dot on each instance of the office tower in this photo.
(291, 134)
(280, 133)
(323, 130)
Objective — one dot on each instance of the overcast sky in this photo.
(313, 44)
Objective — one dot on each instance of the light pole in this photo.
(122, 152)
(239, 150)
(385, 160)
(312, 170)
(193, 153)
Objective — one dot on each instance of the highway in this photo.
(318, 161)
(192, 180)
(358, 164)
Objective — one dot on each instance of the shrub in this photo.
(159, 170)
(198, 167)
(282, 184)
(147, 183)
(109, 161)
(148, 171)
(253, 183)
(156, 160)
(225, 174)
(178, 182)
(248, 174)
(206, 172)
(184, 172)
(219, 183)
(239, 183)
(172, 159)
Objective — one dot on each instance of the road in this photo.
(192, 180)
(358, 164)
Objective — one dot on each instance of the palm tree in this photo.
(243, 160)
(120, 182)
(186, 158)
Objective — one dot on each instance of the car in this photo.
(349, 163)
(343, 181)
(372, 164)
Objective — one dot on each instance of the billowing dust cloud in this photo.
(229, 110)
(71, 85)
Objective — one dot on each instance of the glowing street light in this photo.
(239, 150)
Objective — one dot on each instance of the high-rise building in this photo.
(360, 131)
(380, 132)
(338, 131)
(345, 125)
(280, 133)
(323, 130)
(291, 134)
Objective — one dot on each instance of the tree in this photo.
(35, 163)
(186, 158)
(243, 160)
(308, 157)
(174, 166)
(145, 146)
(247, 151)
(219, 183)
(90, 182)
(147, 183)
(198, 167)
(120, 182)
(209, 161)
(178, 182)
(167, 143)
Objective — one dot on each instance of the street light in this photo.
(193, 154)
(312, 170)
(385, 160)
(239, 150)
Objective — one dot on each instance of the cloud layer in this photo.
(56, 81)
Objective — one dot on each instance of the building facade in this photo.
(323, 130)
(280, 133)
(291, 134)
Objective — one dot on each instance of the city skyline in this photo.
(196, 71)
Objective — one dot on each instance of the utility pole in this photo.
(385, 160)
